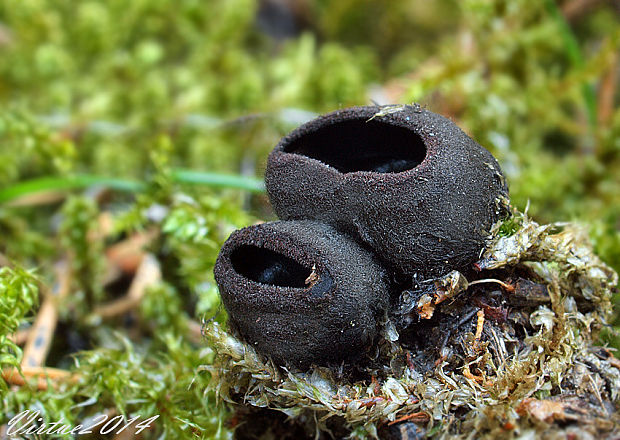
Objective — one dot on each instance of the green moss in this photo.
(510, 225)
(18, 297)
(140, 93)
(80, 233)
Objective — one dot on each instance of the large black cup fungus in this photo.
(301, 292)
(406, 181)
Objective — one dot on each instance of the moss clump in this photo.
(506, 354)
(19, 294)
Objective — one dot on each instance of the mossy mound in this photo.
(509, 354)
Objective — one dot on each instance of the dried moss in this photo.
(530, 348)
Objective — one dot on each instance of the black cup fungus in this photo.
(301, 292)
(407, 182)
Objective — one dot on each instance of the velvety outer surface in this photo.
(326, 318)
(409, 183)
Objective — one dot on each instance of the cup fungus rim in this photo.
(428, 142)
(315, 267)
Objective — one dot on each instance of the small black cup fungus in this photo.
(301, 292)
(407, 182)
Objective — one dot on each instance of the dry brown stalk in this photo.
(479, 328)
(42, 375)
(415, 417)
(41, 334)
(148, 274)
(20, 337)
(126, 256)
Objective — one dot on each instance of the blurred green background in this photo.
(137, 91)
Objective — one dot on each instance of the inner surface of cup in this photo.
(362, 145)
(268, 267)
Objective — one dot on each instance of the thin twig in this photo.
(127, 255)
(20, 337)
(148, 274)
(613, 361)
(506, 286)
(42, 375)
(479, 328)
(471, 376)
(415, 417)
(597, 393)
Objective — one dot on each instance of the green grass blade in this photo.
(218, 180)
(50, 184)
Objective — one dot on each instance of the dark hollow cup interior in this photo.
(362, 145)
(269, 267)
